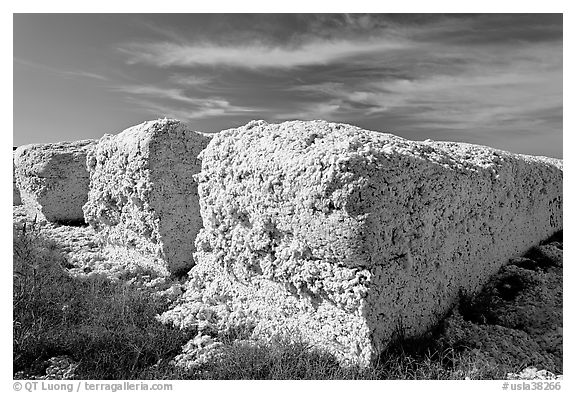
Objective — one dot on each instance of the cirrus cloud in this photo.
(254, 55)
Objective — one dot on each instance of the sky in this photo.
(491, 79)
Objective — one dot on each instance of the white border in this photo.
(300, 6)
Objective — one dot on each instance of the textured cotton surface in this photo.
(52, 179)
(346, 237)
(143, 196)
(84, 253)
(15, 191)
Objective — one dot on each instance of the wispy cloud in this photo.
(158, 109)
(174, 102)
(84, 74)
(484, 89)
(255, 55)
(333, 109)
(164, 93)
(61, 72)
(190, 80)
(330, 38)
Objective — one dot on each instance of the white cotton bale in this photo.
(16, 200)
(53, 180)
(142, 191)
(344, 237)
